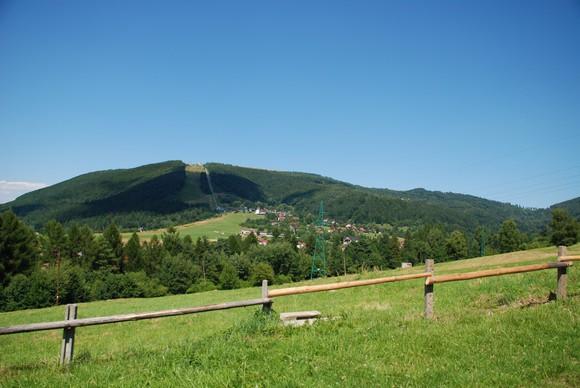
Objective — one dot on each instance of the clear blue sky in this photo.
(473, 97)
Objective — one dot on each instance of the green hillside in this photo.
(572, 206)
(501, 331)
(214, 228)
(170, 193)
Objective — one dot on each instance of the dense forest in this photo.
(59, 264)
(170, 193)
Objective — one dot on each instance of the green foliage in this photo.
(374, 336)
(564, 229)
(166, 194)
(262, 271)
(132, 254)
(229, 277)
(16, 295)
(177, 274)
(509, 237)
(571, 206)
(456, 246)
(113, 238)
(149, 287)
(17, 246)
(105, 259)
(113, 286)
(202, 286)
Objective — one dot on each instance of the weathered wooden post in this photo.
(429, 268)
(561, 292)
(266, 307)
(68, 336)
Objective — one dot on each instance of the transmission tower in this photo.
(318, 267)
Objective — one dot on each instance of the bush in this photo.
(282, 279)
(43, 290)
(16, 294)
(229, 277)
(113, 286)
(73, 286)
(262, 271)
(201, 286)
(177, 274)
(150, 287)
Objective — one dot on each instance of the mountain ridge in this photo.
(174, 191)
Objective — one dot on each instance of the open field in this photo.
(499, 331)
(213, 228)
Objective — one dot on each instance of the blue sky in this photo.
(473, 97)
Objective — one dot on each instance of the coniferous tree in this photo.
(509, 237)
(456, 245)
(563, 228)
(17, 246)
(115, 241)
(132, 255)
(153, 254)
(55, 243)
(172, 241)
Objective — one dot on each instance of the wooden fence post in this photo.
(561, 292)
(68, 336)
(266, 307)
(429, 267)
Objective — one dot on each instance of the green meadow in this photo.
(500, 331)
(213, 228)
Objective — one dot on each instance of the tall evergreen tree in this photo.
(132, 255)
(456, 245)
(509, 237)
(563, 228)
(115, 241)
(55, 243)
(17, 246)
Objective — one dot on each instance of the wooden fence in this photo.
(71, 322)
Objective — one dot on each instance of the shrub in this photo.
(16, 294)
(262, 271)
(201, 286)
(150, 287)
(229, 277)
(113, 286)
(177, 274)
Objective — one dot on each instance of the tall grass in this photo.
(501, 331)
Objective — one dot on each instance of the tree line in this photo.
(72, 264)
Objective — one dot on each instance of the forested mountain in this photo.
(171, 192)
(572, 206)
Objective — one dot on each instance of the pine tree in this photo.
(115, 241)
(509, 237)
(563, 228)
(17, 246)
(132, 255)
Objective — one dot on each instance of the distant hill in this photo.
(172, 192)
(572, 206)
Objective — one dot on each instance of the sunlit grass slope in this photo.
(213, 228)
(500, 331)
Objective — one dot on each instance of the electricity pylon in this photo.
(318, 267)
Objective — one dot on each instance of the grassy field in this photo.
(500, 331)
(213, 228)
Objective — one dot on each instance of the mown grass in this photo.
(218, 227)
(501, 331)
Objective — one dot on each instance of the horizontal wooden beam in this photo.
(129, 317)
(494, 272)
(337, 286)
(569, 258)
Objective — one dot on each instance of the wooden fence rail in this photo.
(338, 286)
(493, 272)
(570, 258)
(70, 323)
